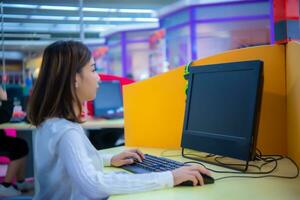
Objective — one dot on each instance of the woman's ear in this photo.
(77, 80)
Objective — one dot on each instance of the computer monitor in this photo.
(109, 102)
(15, 94)
(222, 109)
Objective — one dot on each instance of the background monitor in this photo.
(221, 114)
(109, 102)
(15, 94)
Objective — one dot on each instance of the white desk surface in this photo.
(231, 189)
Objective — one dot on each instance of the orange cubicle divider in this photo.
(154, 108)
(293, 100)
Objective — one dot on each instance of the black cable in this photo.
(266, 159)
(264, 176)
(233, 164)
(233, 172)
(268, 176)
(195, 155)
(162, 154)
(259, 152)
(258, 173)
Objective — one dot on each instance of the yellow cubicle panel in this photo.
(293, 100)
(154, 108)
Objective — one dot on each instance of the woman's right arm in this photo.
(96, 184)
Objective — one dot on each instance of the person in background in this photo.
(16, 149)
(67, 165)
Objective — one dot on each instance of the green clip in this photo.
(186, 75)
(187, 69)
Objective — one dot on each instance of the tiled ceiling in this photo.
(29, 25)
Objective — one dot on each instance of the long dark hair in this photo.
(54, 91)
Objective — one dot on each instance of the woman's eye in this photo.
(93, 68)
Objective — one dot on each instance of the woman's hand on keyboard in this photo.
(190, 173)
(127, 157)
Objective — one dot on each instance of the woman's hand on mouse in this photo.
(190, 173)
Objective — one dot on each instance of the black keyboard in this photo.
(153, 164)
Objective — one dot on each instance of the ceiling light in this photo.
(91, 18)
(136, 11)
(84, 18)
(20, 6)
(146, 19)
(117, 19)
(58, 7)
(15, 16)
(53, 28)
(73, 8)
(88, 9)
(46, 17)
(28, 35)
(73, 18)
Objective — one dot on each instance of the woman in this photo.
(67, 165)
(16, 149)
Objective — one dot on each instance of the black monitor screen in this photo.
(108, 102)
(221, 107)
(15, 94)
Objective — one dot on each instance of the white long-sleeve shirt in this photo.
(68, 167)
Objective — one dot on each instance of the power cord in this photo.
(266, 159)
(266, 176)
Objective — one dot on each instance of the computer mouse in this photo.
(207, 180)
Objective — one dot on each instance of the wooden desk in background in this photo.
(227, 189)
(89, 125)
